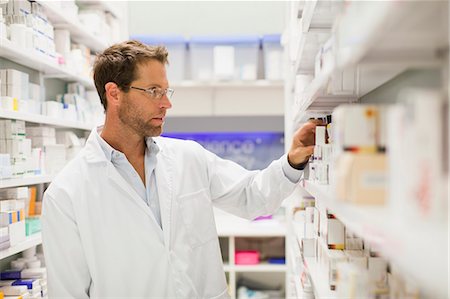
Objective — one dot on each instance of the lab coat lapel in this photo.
(119, 181)
(94, 154)
(164, 183)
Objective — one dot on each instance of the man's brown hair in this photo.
(119, 63)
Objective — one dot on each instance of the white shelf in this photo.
(316, 99)
(319, 279)
(27, 181)
(227, 268)
(234, 226)
(30, 241)
(263, 267)
(78, 32)
(317, 20)
(401, 30)
(402, 36)
(40, 62)
(419, 249)
(228, 84)
(45, 120)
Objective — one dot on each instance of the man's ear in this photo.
(112, 92)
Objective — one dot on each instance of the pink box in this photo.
(250, 257)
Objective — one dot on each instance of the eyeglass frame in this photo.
(151, 92)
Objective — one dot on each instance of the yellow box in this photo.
(362, 178)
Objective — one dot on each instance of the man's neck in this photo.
(123, 140)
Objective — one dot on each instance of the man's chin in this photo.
(154, 132)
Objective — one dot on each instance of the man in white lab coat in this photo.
(132, 215)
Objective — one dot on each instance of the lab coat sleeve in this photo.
(244, 193)
(67, 271)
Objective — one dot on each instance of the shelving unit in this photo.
(227, 98)
(400, 37)
(395, 238)
(40, 62)
(231, 227)
(78, 32)
(381, 41)
(45, 120)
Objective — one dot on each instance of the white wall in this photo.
(206, 17)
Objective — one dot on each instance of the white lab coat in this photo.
(102, 241)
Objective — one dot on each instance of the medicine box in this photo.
(176, 45)
(362, 178)
(246, 257)
(335, 234)
(224, 57)
(355, 127)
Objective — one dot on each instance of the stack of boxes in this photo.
(33, 209)
(27, 276)
(418, 158)
(19, 215)
(360, 154)
(339, 253)
(13, 142)
(14, 87)
(17, 93)
(28, 27)
(43, 152)
(54, 154)
(12, 213)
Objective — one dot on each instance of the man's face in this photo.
(141, 112)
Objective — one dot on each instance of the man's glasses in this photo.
(156, 92)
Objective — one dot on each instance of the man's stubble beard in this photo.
(131, 117)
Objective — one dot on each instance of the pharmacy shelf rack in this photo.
(26, 181)
(382, 49)
(78, 32)
(228, 84)
(29, 242)
(44, 120)
(415, 247)
(40, 62)
(232, 227)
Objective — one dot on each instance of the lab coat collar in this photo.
(95, 152)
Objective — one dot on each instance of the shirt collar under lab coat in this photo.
(110, 152)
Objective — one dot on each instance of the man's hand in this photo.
(303, 144)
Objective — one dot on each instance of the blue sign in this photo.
(250, 150)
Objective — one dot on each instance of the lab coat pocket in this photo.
(198, 218)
